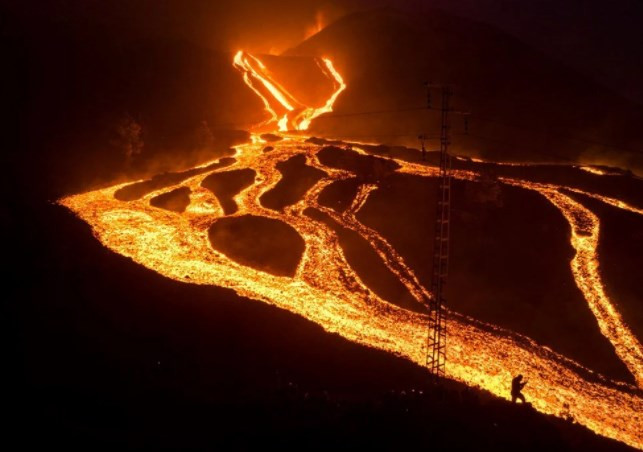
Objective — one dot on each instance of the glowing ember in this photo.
(326, 290)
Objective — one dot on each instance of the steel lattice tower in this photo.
(437, 327)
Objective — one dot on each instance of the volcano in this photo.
(269, 224)
(511, 90)
(248, 221)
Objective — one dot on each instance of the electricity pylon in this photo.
(437, 328)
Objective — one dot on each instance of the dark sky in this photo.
(262, 26)
(601, 39)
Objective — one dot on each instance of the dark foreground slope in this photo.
(111, 355)
(524, 106)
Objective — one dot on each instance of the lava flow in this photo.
(326, 290)
(278, 102)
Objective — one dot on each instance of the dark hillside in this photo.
(525, 106)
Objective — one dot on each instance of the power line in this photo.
(532, 150)
(562, 133)
(372, 112)
(385, 135)
(500, 141)
(474, 116)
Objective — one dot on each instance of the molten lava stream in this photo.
(585, 229)
(393, 261)
(276, 98)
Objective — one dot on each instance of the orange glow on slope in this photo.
(607, 200)
(599, 171)
(327, 291)
(593, 170)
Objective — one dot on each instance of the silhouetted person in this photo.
(516, 386)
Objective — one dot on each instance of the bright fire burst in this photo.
(177, 246)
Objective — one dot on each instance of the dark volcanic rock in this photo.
(619, 184)
(397, 152)
(509, 261)
(140, 189)
(297, 179)
(176, 200)
(340, 194)
(323, 141)
(270, 137)
(262, 243)
(227, 184)
(525, 106)
(368, 265)
(367, 168)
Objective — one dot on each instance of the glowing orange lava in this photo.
(326, 290)
(283, 108)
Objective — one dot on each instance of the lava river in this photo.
(326, 290)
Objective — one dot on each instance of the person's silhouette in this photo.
(516, 386)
